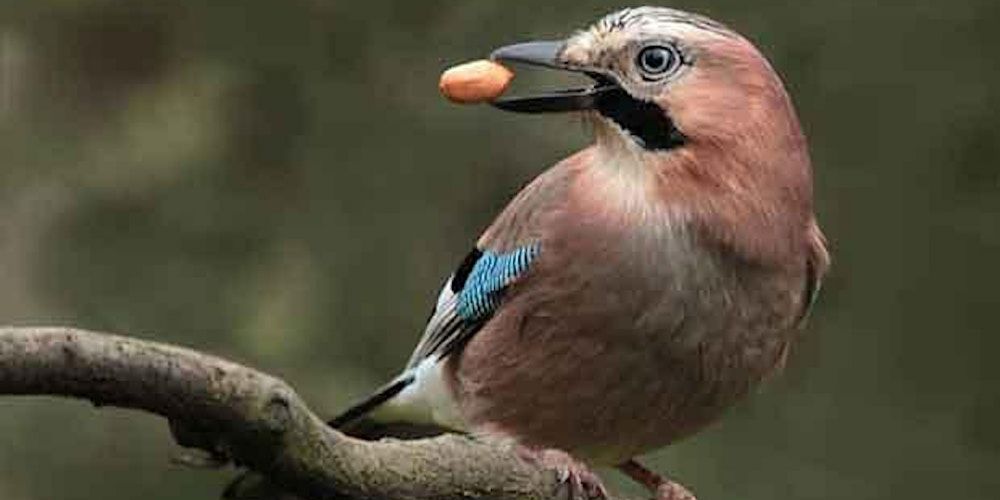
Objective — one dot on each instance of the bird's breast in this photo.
(615, 227)
(626, 322)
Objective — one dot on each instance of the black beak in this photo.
(547, 54)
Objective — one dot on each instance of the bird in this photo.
(632, 292)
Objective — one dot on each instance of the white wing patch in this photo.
(466, 301)
(427, 400)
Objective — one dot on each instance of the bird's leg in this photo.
(663, 488)
(581, 483)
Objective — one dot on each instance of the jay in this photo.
(635, 290)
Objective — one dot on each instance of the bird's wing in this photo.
(470, 297)
(504, 254)
(817, 263)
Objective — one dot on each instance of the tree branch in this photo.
(258, 420)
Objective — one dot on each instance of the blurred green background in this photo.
(280, 183)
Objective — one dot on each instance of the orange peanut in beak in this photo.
(474, 82)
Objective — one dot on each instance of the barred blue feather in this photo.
(470, 297)
(491, 274)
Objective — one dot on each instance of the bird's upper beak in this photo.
(549, 54)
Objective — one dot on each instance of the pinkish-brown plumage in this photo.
(685, 283)
(670, 264)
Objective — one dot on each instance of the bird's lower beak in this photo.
(548, 54)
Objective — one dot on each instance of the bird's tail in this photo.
(359, 410)
(353, 421)
(359, 420)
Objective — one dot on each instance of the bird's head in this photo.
(664, 80)
(695, 117)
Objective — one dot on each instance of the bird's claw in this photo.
(582, 485)
(670, 490)
(574, 476)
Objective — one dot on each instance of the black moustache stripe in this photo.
(644, 120)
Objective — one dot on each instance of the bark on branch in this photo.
(258, 420)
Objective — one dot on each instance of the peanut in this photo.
(476, 81)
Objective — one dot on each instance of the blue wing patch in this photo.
(469, 298)
(492, 272)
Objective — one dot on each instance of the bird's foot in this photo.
(574, 476)
(670, 490)
(663, 488)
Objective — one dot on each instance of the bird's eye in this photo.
(657, 61)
